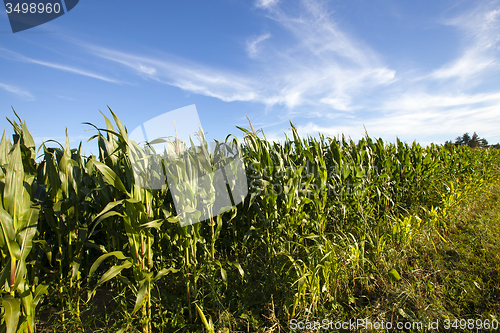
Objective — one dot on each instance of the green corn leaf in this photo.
(27, 306)
(27, 138)
(143, 288)
(40, 290)
(20, 273)
(75, 270)
(12, 310)
(394, 275)
(156, 141)
(7, 225)
(101, 218)
(15, 250)
(5, 273)
(9, 234)
(238, 266)
(14, 178)
(223, 274)
(108, 207)
(164, 272)
(99, 247)
(208, 326)
(114, 271)
(51, 172)
(152, 224)
(109, 125)
(25, 236)
(119, 124)
(173, 219)
(95, 265)
(110, 176)
(4, 150)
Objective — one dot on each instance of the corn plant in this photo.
(18, 220)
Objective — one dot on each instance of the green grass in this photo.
(453, 277)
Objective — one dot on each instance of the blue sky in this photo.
(419, 70)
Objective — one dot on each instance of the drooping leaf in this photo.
(110, 176)
(152, 224)
(223, 274)
(114, 271)
(12, 308)
(101, 218)
(394, 275)
(95, 265)
(40, 290)
(140, 295)
(164, 272)
(208, 326)
(238, 266)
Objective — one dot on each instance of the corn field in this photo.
(318, 215)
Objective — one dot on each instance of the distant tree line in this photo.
(473, 141)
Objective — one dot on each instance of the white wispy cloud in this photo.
(481, 41)
(19, 57)
(446, 101)
(252, 44)
(423, 101)
(326, 66)
(321, 71)
(323, 66)
(71, 70)
(266, 3)
(181, 73)
(17, 91)
(425, 126)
